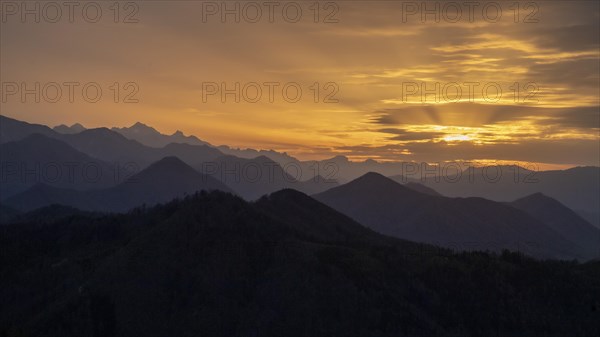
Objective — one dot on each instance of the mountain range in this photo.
(575, 187)
(161, 182)
(135, 174)
(65, 129)
(472, 223)
(37, 159)
(151, 137)
(115, 153)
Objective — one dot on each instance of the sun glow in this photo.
(457, 138)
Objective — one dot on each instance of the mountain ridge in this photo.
(161, 182)
(392, 209)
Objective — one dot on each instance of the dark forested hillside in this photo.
(286, 265)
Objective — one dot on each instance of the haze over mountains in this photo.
(38, 158)
(576, 188)
(253, 177)
(129, 173)
(161, 182)
(562, 220)
(461, 223)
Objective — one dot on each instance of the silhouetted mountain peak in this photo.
(288, 193)
(540, 202)
(373, 182)
(371, 187)
(373, 179)
(149, 136)
(102, 132)
(539, 199)
(64, 129)
(141, 127)
(561, 219)
(339, 159)
(169, 166)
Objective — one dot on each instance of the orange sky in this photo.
(369, 61)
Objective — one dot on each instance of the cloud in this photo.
(370, 53)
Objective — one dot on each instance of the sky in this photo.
(390, 81)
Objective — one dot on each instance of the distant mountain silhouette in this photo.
(285, 265)
(193, 155)
(64, 129)
(13, 130)
(40, 159)
(112, 146)
(345, 170)
(278, 157)
(253, 178)
(161, 182)
(577, 188)
(151, 137)
(464, 223)
(563, 220)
